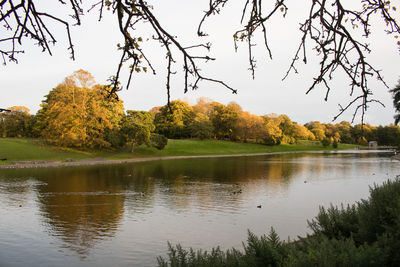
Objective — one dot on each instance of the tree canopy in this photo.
(17, 122)
(336, 30)
(76, 115)
(137, 127)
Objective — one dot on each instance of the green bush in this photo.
(326, 142)
(158, 141)
(322, 251)
(335, 144)
(263, 251)
(364, 234)
(271, 141)
(334, 222)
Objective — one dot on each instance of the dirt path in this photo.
(104, 161)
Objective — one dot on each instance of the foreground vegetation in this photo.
(364, 234)
(18, 149)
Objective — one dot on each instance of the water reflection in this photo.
(17, 192)
(80, 211)
(152, 202)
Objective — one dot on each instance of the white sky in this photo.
(27, 82)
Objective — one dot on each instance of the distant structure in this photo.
(373, 144)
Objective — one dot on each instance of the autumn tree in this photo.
(250, 127)
(204, 106)
(335, 30)
(332, 132)
(300, 132)
(363, 133)
(288, 130)
(274, 133)
(317, 129)
(77, 116)
(17, 122)
(201, 126)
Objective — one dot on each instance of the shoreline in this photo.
(93, 162)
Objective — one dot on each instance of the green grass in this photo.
(30, 149)
(217, 147)
(14, 149)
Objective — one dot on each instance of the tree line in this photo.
(80, 113)
(208, 119)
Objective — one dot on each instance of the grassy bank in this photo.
(217, 147)
(15, 149)
(33, 150)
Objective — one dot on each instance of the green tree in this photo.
(137, 126)
(224, 119)
(388, 135)
(201, 127)
(173, 121)
(158, 141)
(345, 130)
(326, 141)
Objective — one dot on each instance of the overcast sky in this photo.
(27, 82)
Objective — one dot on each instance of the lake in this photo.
(124, 215)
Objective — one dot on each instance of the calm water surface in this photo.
(123, 215)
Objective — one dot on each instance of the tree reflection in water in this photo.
(83, 206)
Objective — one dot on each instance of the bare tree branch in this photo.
(21, 20)
(140, 11)
(330, 30)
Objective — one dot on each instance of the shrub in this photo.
(334, 222)
(263, 251)
(364, 234)
(271, 141)
(115, 138)
(326, 142)
(335, 144)
(158, 141)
